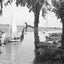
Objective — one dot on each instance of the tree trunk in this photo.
(36, 22)
(62, 33)
(1, 8)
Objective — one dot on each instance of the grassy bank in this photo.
(49, 53)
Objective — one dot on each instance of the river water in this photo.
(20, 52)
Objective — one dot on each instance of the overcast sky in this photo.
(21, 15)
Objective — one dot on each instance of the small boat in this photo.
(16, 39)
(12, 35)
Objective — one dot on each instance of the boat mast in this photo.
(11, 24)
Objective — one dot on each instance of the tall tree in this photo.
(59, 10)
(35, 6)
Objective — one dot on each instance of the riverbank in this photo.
(50, 53)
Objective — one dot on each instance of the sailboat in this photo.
(13, 33)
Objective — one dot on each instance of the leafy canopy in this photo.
(1, 6)
(33, 5)
(59, 8)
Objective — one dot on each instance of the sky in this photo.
(22, 15)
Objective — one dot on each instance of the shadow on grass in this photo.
(49, 54)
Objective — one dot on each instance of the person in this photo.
(22, 35)
(26, 26)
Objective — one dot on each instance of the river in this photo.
(19, 52)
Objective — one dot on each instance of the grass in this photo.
(49, 53)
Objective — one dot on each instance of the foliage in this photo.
(32, 5)
(49, 54)
(8, 2)
(1, 6)
(59, 8)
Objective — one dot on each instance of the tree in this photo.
(35, 6)
(59, 10)
(1, 5)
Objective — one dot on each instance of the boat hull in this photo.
(14, 40)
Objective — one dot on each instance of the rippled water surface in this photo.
(19, 52)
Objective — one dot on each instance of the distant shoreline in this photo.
(7, 25)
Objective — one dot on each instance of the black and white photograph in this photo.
(31, 31)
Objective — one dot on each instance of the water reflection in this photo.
(19, 52)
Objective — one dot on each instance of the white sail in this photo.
(13, 27)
